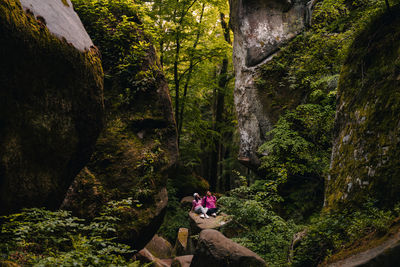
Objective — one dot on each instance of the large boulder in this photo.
(260, 29)
(183, 244)
(198, 224)
(366, 156)
(182, 261)
(159, 247)
(145, 257)
(214, 249)
(136, 151)
(51, 102)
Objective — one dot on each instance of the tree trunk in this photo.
(176, 80)
(220, 104)
(189, 75)
(387, 5)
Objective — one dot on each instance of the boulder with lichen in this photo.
(51, 102)
(365, 157)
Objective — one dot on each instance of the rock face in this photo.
(137, 149)
(51, 102)
(366, 155)
(183, 243)
(214, 249)
(182, 261)
(260, 29)
(159, 247)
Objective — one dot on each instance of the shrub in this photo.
(55, 238)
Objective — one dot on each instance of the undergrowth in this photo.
(260, 228)
(39, 237)
(175, 218)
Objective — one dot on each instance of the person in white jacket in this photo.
(197, 206)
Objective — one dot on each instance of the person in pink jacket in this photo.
(197, 206)
(210, 202)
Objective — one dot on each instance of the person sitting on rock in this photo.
(210, 202)
(198, 207)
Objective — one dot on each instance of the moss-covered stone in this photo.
(51, 110)
(137, 148)
(186, 182)
(131, 160)
(366, 155)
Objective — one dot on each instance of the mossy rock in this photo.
(366, 151)
(124, 166)
(138, 146)
(51, 110)
(186, 182)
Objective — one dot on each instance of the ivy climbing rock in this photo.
(366, 156)
(51, 102)
(260, 29)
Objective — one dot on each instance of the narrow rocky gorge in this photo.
(298, 132)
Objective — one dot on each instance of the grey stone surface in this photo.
(61, 20)
(260, 29)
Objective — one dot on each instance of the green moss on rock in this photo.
(51, 111)
(65, 2)
(137, 148)
(366, 155)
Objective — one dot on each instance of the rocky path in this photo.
(209, 248)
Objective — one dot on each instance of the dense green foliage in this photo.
(195, 50)
(120, 35)
(45, 238)
(331, 232)
(300, 150)
(175, 218)
(258, 226)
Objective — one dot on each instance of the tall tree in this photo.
(216, 154)
(195, 47)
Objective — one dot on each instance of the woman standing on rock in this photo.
(198, 207)
(210, 202)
